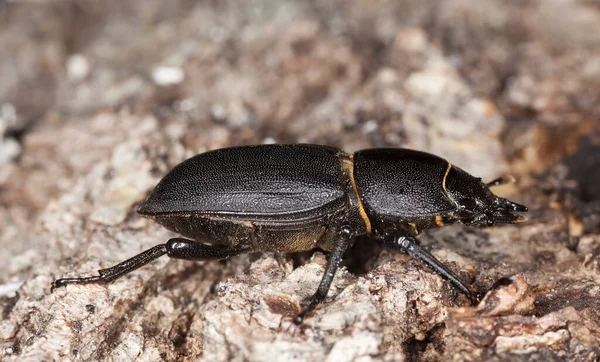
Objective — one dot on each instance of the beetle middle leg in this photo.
(176, 248)
(410, 246)
(344, 241)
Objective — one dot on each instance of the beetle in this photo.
(290, 198)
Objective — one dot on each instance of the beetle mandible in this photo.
(290, 198)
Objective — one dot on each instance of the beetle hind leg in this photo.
(177, 248)
(409, 245)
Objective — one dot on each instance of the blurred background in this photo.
(99, 99)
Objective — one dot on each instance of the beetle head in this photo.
(476, 204)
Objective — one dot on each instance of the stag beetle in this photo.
(290, 198)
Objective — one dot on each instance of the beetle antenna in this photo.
(501, 181)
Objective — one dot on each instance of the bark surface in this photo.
(98, 100)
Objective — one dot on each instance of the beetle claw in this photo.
(63, 282)
(306, 312)
(476, 298)
(298, 319)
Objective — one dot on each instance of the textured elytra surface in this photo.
(264, 181)
(94, 112)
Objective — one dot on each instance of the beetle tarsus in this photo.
(344, 241)
(310, 309)
(62, 282)
(410, 246)
(475, 297)
(109, 274)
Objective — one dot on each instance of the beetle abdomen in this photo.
(253, 181)
(401, 183)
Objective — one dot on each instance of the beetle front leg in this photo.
(177, 248)
(410, 246)
(344, 241)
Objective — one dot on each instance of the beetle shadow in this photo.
(359, 259)
(302, 257)
(363, 255)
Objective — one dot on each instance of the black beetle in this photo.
(290, 198)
